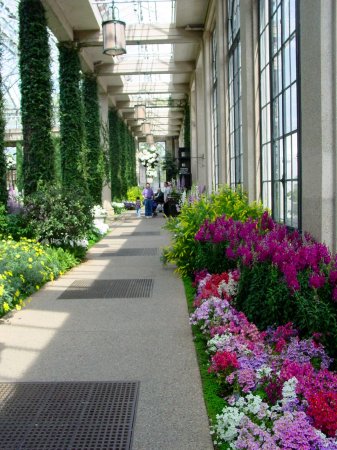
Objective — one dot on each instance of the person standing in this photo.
(167, 192)
(148, 200)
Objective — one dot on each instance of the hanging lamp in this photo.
(149, 139)
(146, 128)
(140, 110)
(114, 42)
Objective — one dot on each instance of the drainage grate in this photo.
(88, 289)
(68, 415)
(131, 252)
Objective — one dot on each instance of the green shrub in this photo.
(185, 252)
(58, 216)
(133, 193)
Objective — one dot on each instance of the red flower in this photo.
(323, 410)
(222, 361)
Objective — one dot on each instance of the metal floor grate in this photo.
(88, 289)
(135, 233)
(67, 415)
(131, 252)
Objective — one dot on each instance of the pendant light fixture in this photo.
(114, 42)
(140, 110)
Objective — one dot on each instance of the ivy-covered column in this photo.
(72, 144)
(36, 90)
(92, 132)
(3, 187)
(19, 167)
(114, 130)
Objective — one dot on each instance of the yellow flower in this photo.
(30, 266)
(37, 287)
(18, 307)
(17, 293)
(5, 306)
(2, 290)
(51, 276)
(30, 259)
(22, 278)
(17, 256)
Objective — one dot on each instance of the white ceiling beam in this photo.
(160, 121)
(155, 88)
(142, 66)
(137, 34)
(57, 21)
(131, 105)
(158, 114)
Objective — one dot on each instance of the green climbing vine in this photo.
(3, 187)
(36, 90)
(92, 132)
(122, 156)
(19, 167)
(72, 133)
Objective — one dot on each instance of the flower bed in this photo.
(25, 266)
(284, 276)
(280, 393)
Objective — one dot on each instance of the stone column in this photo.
(199, 154)
(318, 118)
(250, 97)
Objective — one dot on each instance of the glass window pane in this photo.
(286, 65)
(294, 164)
(288, 157)
(294, 107)
(292, 19)
(293, 68)
(263, 13)
(286, 20)
(287, 111)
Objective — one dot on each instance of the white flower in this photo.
(102, 228)
(289, 390)
(97, 210)
(263, 371)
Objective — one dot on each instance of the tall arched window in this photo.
(279, 113)
(234, 92)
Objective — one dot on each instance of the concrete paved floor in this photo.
(145, 339)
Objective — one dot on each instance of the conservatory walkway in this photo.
(121, 316)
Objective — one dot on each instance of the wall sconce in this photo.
(114, 42)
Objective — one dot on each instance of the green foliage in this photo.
(73, 145)
(57, 160)
(25, 266)
(133, 193)
(36, 89)
(263, 295)
(122, 156)
(185, 251)
(266, 300)
(3, 187)
(92, 130)
(114, 130)
(19, 167)
(13, 225)
(170, 167)
(58, 216)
